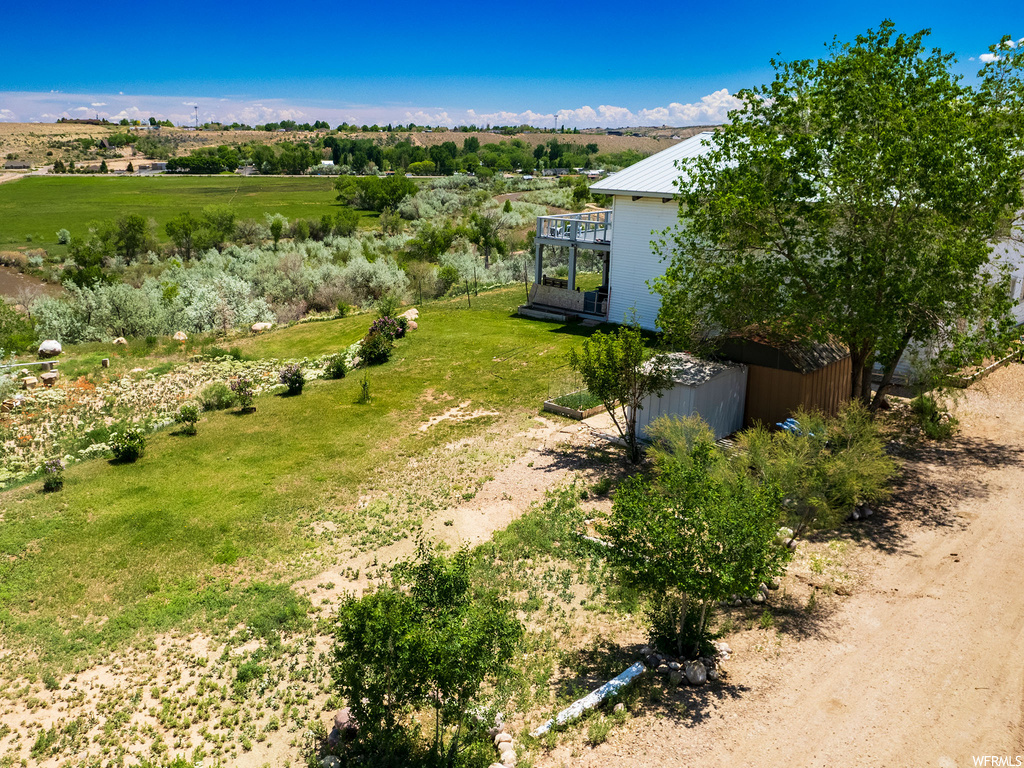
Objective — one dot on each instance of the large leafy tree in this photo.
(855, 196)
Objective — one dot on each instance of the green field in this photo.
(38, 206)
(182, 534)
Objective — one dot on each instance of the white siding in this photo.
(718, 401)
(633, 261)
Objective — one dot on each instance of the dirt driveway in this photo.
(921, 665)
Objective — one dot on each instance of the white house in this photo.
(643, 203)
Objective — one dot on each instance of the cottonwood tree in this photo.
(618, 370)
(855, 196)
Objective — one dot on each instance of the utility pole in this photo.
(196, 108)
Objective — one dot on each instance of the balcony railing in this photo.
(588, 227)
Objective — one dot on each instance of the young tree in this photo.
(854, 196)
(689, 538)
(128, 236)
(618, 370)
(426, 640)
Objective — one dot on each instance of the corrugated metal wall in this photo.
(773, 395)
(719, 402)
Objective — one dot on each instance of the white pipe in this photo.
(592, 699)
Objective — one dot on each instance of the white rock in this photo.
(503, 738)
(505, 747)
(260, 327)
(775, 583)
(674, 665)
(696, 674)
(180, 336)
(120, 341)
(508, 759)
(783, 535)
(723, 647)
(411, 314)
(49, 348)
(618, 707)
(758, 598)
(855, 515)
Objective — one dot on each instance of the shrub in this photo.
(342, 308)
(335, 368)
(389, 327)
(293, 378)
(63, 236)
(216, 397)
(53, 475)
(188, 417)
(128, 445)
(244, 391)
(387, 306)
(376, 348)
(936, 422)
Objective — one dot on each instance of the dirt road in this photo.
(922, 665)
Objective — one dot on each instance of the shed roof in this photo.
(693, 371)
(654, 176)
(797, 355)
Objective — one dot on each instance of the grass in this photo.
(580, 401)
(200, 526)
(38, 206)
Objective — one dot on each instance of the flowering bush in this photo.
(188, 417)
(376, 348)
(388, 326)
(244, 391)
(335, 367)
(128, 445)
(293, 378)
(53, 475)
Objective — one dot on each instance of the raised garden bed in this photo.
(575, 405)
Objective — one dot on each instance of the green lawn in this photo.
(186, 531)
(38, 206)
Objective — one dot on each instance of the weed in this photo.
(598, 731)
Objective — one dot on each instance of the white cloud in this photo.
(988, 58)
(28, 106)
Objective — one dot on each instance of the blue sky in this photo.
(440, 63)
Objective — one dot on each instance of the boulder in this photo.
(783, 535)
(663, 669)
(775, 583)
(49, 378)
(345, 722)
(49, 348)
(618, 707)
(673, 665)
(330, 762)
(180, 336)
(411, 314)
(29, 382)
(120, 341)
(413, 325)
(506, 747)
(508, 760)
(502, 738)
(261, 327)
(713, 674)
(675, 677)
(695, 672)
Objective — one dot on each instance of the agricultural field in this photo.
(37, 207)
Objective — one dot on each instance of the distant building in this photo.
(17, 165)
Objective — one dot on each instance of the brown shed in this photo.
(789, 375)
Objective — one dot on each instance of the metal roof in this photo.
(692, 371)
(654, 176)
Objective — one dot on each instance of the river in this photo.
(17, 286)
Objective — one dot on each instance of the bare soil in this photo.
(913, 652)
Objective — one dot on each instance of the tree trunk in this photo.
(682, 626)
(700, 627)
(887, 374)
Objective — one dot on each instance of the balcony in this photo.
(590, 229)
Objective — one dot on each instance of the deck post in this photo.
(572, 267)
(539, 265)
(604, 269)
